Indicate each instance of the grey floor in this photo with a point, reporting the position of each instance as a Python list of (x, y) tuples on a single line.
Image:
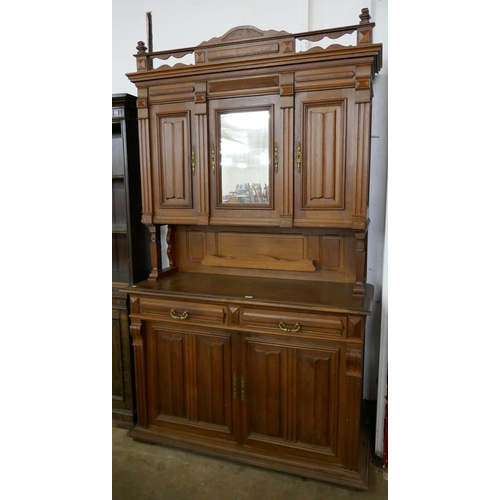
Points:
[(149, 472)]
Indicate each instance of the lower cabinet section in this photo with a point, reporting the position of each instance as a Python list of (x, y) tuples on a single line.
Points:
[(288, 400)]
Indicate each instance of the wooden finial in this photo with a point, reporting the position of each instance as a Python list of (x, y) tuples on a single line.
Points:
[(364, 16), (141, 48)]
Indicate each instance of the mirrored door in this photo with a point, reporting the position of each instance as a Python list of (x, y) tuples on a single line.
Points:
[(245, 174), (244, 156)]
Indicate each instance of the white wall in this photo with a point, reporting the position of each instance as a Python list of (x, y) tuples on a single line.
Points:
[(378, 198), (190, 22)]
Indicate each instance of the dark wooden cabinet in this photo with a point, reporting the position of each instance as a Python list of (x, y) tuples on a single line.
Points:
[(249, 344), (122, 364), (131, 262)]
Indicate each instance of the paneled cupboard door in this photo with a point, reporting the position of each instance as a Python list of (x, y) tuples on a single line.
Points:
[(325, 182), (174, 157), (190, 380), (290, 398)]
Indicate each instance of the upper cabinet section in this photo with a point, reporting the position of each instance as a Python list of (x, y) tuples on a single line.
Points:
[(257, 133)]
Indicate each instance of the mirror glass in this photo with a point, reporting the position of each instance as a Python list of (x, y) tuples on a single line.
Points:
[(245, 157)]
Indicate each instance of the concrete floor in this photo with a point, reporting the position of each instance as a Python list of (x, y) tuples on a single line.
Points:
[(150, 472)]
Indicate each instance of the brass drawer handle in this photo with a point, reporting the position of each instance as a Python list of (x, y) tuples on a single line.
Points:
[(174, 315), (283, 327)]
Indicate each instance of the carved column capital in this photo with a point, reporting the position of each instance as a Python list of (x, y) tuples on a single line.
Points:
[(136, 333)]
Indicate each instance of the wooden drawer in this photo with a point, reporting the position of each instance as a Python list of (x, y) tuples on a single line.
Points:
[(184, 312), (278, 321)]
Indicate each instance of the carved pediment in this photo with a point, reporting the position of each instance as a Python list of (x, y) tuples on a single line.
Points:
[(243, 33)]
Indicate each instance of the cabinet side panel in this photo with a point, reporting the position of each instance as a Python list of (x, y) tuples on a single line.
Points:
[(145, 162), (120, 269), (118, 159), (117, 370), (354, 370), (363, 157)]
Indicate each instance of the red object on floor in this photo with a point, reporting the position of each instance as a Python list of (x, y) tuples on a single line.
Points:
[(386, 451)]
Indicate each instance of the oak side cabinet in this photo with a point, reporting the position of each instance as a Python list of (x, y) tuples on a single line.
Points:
[(130, 249)]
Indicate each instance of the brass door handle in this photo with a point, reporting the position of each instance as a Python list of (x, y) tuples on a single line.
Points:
[(213, 159), (242, 388), (193, 160), (283, 327), (299, 157), (174, 315), (276, 157)]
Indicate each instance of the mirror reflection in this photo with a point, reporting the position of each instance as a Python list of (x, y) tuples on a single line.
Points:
[(245, 157)]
